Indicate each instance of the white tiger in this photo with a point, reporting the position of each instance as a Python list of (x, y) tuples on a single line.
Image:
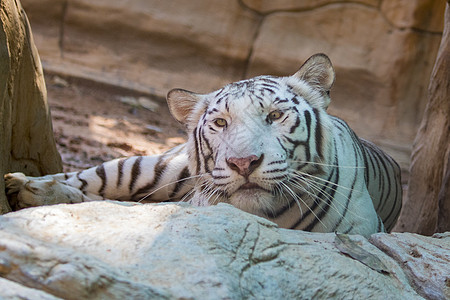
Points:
[(265, 145)]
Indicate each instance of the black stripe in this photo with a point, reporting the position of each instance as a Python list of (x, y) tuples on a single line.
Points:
[(330, 196), (348, 230), (212, 111), (180, 182), (275, 214), (269, 79), (83, 182), (275, 170), (197, 154), (366, 166), (318, 137), (308, 127), (320, 198), (297, 122), (278, 100), (221, 98), (379, 227), (349, 197), (269, 89), (220, 177), (135, 173), (100, 170), (377, 174), (120, 171), (206, 156), (297, 143), (159, 169), (394, 210)]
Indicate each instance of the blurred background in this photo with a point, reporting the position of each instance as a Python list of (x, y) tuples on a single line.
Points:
[(383, 52)]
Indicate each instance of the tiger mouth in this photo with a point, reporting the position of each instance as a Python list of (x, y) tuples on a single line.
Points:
[(252, 186), (249, 186)]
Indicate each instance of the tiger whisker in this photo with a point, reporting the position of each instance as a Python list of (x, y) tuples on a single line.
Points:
[(325, 165), (317, 186), (325, 181), (167, 184), (296, 198), (315, 197)]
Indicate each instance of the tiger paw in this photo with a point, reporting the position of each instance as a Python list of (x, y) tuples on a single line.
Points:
[(23, 191)]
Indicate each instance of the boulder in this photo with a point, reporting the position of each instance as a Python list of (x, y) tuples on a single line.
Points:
[(425, 260), (26, 138), (119, 250)]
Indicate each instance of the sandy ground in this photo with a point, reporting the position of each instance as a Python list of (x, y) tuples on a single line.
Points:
[(94, 123)]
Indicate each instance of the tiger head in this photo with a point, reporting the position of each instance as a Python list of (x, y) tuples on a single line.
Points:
[(250, 141)]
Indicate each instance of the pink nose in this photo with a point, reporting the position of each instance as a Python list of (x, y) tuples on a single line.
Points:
[(244, 165)]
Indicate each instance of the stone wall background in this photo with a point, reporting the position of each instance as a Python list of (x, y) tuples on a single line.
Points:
[(383, 50)]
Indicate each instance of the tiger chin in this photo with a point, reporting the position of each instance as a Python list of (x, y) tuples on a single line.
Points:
[(265, 145)]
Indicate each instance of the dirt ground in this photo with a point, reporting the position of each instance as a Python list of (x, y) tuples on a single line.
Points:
[(94, 123)]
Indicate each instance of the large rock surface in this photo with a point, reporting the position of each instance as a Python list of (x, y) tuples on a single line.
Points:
[(383, 51), (112, 250), (26, 137)]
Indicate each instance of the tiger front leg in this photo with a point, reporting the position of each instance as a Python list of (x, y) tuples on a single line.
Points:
[(23, 191)]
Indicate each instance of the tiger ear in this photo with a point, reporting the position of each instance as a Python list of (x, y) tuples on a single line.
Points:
[(182, 103), (317, 71)]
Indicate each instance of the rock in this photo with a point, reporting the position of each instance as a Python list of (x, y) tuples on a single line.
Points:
[(27, 143), (142, 101), (426, 260), (404, 15), (383, 51), (148, 104), (150, 46), (11, 290), (122, 250), (268, 6)]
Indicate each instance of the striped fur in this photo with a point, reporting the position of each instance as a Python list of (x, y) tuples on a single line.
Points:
[(265, 145)]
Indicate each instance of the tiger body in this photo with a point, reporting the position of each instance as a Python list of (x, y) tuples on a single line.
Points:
[(265, 145)]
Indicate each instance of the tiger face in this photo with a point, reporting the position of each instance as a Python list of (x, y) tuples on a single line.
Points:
[(249, 141)]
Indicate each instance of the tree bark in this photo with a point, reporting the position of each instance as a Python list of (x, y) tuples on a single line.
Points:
[(427, 208), (26, 136)]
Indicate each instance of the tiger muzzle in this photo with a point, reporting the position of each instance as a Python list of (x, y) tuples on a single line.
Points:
[(244, 166)]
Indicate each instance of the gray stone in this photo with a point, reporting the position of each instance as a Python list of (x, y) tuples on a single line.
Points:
[(11, 290), (426, 260), (121, 250)]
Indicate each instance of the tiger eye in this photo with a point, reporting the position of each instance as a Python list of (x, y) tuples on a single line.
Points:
[(275, 115), (219, 122)]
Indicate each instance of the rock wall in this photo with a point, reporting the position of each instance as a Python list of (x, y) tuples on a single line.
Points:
[(112, 250), (26, 137), (383, 50)]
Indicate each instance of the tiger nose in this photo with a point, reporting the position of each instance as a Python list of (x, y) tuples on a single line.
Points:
[(244, 165)]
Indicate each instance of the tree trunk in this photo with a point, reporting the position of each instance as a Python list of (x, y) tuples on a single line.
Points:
[(26, 136), (427, 209)]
